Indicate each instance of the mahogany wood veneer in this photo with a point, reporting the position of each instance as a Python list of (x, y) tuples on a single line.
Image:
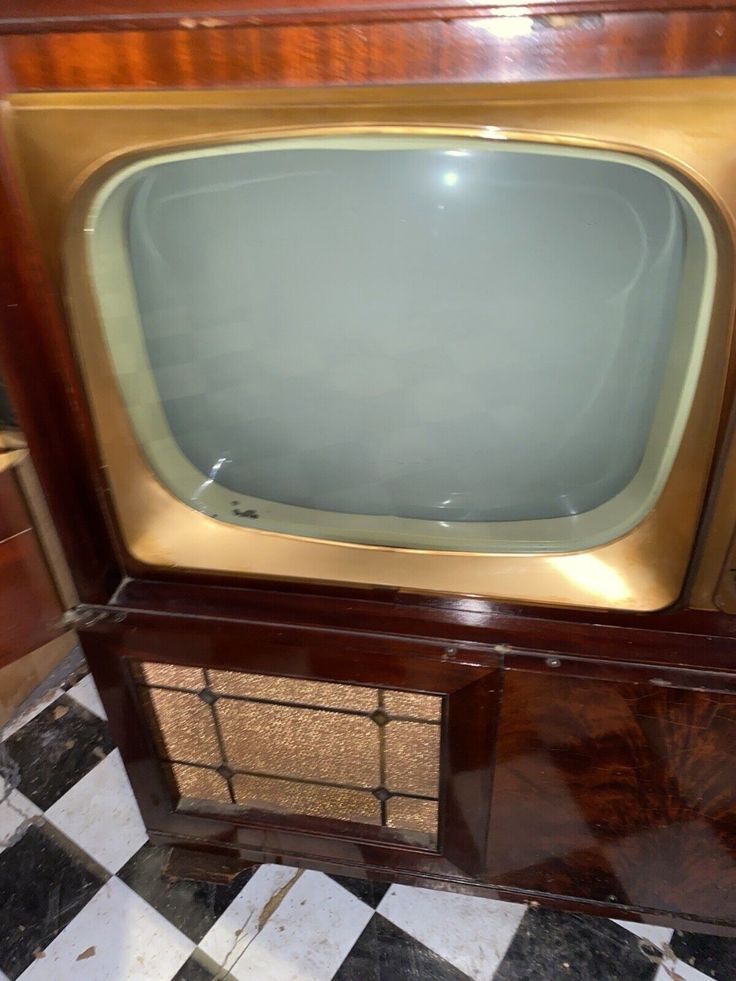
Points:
[(586, 759)]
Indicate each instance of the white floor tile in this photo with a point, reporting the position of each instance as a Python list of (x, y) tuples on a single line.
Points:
[(116, 937), (306, 937), (86, 694), (14, 811), (471, 933), (679, 971), (226, 939), (100, 814), (656, 935), (19, 721)]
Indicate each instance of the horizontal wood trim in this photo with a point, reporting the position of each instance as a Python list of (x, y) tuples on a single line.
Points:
[(390, 52), (689, 638), (40, 16)]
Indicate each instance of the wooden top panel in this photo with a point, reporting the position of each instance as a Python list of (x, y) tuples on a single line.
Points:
[(38, 16)]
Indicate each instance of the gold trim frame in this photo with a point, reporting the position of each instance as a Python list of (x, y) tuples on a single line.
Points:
[(101, 266), (643, 569)]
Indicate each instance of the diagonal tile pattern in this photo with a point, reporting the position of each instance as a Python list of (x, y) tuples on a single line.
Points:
[(83, 897)]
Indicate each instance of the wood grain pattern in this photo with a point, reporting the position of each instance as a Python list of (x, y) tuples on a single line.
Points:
[(37, 16), (608, 792), (617, 792), (462, 49)]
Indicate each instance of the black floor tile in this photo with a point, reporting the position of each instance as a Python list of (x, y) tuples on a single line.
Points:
[(191, 906), (192, 970), (43, 887), (370, 892), (551, 946), (383, 952), (713, 956), (56, 749)]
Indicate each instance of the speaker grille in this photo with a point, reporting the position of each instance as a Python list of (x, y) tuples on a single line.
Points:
[(285, 745)]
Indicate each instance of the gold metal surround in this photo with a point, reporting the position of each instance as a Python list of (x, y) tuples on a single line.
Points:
[(66, 146)]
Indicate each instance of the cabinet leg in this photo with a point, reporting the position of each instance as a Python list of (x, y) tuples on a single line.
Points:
[(202, 866)]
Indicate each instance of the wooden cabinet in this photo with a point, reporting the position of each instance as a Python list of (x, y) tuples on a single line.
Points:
[(567, 757), (618, 791), (525, 775), (304, 744)]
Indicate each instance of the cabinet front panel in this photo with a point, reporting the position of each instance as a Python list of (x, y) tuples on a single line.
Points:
[(617, 792), (304, 742)]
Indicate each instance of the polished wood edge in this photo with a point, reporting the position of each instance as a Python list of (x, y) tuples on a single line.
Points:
[(468, 766), (705, 639), (40, 16), (199, 865), (455, 884), (698, 650), (344, 655)]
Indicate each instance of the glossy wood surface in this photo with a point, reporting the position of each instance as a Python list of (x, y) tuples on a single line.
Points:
[(30, 610), (617, 792), (688, 638), (423, 49), (607, 791), (32, 16)]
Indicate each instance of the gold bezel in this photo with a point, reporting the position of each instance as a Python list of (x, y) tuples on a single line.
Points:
[(641, 570)]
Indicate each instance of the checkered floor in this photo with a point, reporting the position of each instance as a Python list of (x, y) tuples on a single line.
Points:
[(83, 898)]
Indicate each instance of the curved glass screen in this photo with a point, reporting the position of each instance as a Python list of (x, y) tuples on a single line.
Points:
[(414, 341)]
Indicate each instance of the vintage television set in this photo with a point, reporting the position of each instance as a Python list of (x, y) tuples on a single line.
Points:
[(376, 361)]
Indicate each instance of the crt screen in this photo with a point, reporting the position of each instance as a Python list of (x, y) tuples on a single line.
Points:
[(451, 334)]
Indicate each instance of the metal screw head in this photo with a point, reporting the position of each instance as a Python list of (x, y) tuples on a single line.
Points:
[(450, 651), (553, 662)]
